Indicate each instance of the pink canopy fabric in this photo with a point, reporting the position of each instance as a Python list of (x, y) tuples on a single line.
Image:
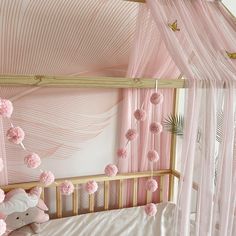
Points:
[(149, 58), (199, 50), (61, 37)]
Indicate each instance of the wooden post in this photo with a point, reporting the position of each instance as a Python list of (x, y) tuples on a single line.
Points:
[(106, 195), (173, 147), (58, 202)]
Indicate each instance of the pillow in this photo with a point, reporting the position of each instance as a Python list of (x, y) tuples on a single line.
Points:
[(20, 209)]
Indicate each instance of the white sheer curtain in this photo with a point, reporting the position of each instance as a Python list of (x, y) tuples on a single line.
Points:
[(199, 50)]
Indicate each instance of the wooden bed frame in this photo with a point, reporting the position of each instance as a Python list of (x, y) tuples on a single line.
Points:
[(120, 180), (103, 82), (107, 181)]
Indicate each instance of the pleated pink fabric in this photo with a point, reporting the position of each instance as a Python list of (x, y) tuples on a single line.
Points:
[(149, 58), (61, 37)]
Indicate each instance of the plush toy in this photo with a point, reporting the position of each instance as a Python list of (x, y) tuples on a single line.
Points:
[(23, 212)]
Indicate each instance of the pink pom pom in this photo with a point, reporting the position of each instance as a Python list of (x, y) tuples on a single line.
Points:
[(6, 108), (151, 185), (122, 153), (151, 209), (67, 188), (155, 128), (3, 227), (32, 160), (111, 170), (91, 187), (15, 135), (140, 115), (153, 156), (2, 195), (46, 178), (131, 134), (1, 164), (156, 98)]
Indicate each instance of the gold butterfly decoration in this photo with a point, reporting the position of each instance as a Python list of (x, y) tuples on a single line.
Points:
[(174, 26), (231, 55)]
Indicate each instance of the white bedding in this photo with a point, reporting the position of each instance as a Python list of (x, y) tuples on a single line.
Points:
[(124, 222)]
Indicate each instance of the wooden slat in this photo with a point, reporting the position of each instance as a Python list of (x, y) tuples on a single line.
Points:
[(75, 198), (106, 195), (42, 194), (120, 192), (173, 147), (135, 192), (161, 188), (58, 202), (91, 202), (148, 197), (85, 179), (87, 82)]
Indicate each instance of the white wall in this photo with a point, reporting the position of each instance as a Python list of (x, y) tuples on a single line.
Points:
[(231, 5)]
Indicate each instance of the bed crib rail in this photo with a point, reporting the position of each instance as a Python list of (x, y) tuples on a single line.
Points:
[(120, 180)]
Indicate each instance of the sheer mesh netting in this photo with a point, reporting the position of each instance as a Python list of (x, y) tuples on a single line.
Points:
[(199, 37), (199, 46)]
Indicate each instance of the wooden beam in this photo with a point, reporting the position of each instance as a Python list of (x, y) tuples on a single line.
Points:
[(87, 82), (173, 146), (85, 179)]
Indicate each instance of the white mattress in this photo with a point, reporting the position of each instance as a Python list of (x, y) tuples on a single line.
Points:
[(124, 222)]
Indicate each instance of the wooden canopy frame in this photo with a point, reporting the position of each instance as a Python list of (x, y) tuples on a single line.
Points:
[(88, 82), (103, 82)]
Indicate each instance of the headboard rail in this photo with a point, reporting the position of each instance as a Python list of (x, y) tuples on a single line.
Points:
[(120, 180)]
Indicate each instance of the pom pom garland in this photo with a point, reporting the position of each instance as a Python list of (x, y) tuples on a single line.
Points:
[(131, 134), (140, 115), (1, 164), (151, 185), (3, 227), (156, 98), (67, 188), (122, 153), (15, 135), (33, 160), (111, 170), (155, 128), (153, 156), (91, 187), (46, 178), (2, 195), (6, 108), (150, 209)]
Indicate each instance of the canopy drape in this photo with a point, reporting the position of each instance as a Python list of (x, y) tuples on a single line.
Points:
[(203, 58), (198, 46), (149, 58)]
